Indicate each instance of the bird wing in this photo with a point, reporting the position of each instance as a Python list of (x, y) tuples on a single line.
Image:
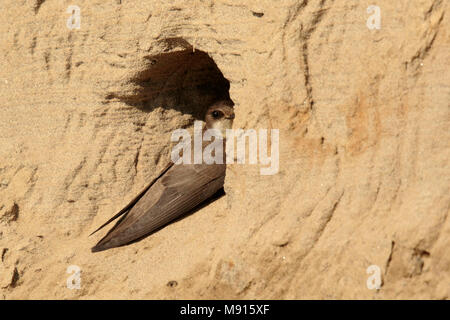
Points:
[(135, 199), (176, 191)]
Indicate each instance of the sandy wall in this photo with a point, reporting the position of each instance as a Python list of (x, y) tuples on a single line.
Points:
[(86, 116)]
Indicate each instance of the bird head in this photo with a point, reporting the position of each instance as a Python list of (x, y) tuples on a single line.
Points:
[(220, 116)]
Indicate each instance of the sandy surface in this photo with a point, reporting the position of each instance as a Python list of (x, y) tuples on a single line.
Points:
[(86, 117)]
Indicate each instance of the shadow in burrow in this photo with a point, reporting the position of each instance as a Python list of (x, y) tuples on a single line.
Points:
[(182, 79)]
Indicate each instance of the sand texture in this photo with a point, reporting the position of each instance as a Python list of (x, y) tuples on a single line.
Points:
[(363, 115)]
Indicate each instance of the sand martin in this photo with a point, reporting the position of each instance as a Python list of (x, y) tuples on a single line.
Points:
[(174, 192)]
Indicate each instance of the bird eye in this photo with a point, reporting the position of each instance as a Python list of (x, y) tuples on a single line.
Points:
[(216, 114)]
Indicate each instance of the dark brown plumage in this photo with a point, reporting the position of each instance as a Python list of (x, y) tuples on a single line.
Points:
[(176, 191)]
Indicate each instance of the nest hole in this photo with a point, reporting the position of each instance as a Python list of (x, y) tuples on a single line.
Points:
[(183, 79)]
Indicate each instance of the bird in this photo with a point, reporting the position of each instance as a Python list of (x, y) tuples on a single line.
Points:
[(178, 189)]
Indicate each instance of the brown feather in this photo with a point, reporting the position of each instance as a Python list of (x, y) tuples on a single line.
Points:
[(176, 191)]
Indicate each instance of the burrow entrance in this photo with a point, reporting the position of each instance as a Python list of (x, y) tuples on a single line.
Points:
[(183, 79)]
